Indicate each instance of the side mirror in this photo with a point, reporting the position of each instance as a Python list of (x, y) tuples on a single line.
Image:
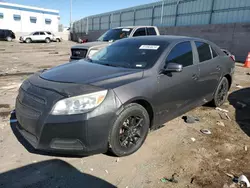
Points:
[(172, 67)]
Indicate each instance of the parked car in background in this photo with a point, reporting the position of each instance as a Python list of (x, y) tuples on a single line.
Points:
[(111, 100), (88, 49), (6, 34), (228, 54), (40, 36)]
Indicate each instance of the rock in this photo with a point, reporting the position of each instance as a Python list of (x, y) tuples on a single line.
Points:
[(193, 139), (190, 119), (220, 123)]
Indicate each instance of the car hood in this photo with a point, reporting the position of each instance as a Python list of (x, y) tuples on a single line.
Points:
[(90, 44), (83, 72)]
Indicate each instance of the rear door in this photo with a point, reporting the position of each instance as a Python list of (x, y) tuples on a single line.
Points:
[(2, 34), (209, 68), (42, 36), (177, 91)]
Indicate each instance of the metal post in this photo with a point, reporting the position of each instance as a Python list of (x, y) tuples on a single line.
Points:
[(162, 8), (70, 22), (120, 19), (211, 12), (111, 21), (152, 18), (134, 17), (100, 19), (87, 28), (176, 13)]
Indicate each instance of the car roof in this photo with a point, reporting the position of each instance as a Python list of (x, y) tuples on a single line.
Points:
[(131, 27), (167, 38)]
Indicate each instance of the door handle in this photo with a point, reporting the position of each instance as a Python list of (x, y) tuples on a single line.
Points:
[(218, 68), (195, 77)]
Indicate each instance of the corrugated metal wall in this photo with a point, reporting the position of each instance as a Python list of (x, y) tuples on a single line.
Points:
[(170, 13)]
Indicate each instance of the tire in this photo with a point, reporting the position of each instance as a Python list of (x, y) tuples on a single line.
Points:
[(47, 40), (28, 40), (9, 39), (129, 131), (58, 40), (221, 93)]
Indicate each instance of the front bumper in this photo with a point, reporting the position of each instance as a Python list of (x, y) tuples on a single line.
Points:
[(81, 134)]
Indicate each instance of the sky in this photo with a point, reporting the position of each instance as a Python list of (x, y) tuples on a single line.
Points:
[(81, 8)]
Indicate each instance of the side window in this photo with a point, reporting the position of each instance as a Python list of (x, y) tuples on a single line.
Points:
[(214, 52), (151, 31), (36, 33), (1, 15), (17, 17), (42, 33), (182, 54), (32, 19), (140, 32), (203, 51), (49, 33)]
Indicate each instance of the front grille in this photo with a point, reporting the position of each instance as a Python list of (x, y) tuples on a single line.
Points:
[(79, 52), (33, 105)]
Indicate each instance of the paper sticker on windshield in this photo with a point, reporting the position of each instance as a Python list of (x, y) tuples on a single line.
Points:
[(149, 47), (126, 30)]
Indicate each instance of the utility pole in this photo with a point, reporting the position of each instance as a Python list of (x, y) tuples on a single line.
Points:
[(70, 22)]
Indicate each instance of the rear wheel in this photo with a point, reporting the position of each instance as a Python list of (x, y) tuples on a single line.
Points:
[(28, 40), (58, 40), (221, 93), (47, 40), (9, 39), (129, 131)]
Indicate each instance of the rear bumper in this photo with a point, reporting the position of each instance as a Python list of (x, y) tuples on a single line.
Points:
[(73, 58)]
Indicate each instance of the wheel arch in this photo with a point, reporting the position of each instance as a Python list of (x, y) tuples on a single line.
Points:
[(229, 79), (145, 104)]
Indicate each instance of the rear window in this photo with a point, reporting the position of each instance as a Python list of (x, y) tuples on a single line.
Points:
[(151, 31), (203, 51), (130, 54), (140, 32), (115, 34)]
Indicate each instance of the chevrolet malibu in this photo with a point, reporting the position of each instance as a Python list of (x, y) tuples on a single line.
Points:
[(111, 101)]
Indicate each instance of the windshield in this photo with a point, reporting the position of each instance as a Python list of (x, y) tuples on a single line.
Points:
[(115, 34), (137, 54)]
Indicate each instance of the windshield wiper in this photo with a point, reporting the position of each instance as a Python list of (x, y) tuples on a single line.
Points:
[(108, 64)]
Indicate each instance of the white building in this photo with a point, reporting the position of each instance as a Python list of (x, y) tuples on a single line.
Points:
[(19, 18)]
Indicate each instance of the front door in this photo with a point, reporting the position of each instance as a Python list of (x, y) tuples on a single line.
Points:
[(210, 71), (35, 36), (177, 91)]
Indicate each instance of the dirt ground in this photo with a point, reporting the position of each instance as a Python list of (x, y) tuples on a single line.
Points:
[(202, 162)]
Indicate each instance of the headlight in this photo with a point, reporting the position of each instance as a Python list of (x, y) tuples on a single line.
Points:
[(92, 52), (78, 104)]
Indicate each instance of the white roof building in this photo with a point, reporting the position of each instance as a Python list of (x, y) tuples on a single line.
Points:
[(20, 18)]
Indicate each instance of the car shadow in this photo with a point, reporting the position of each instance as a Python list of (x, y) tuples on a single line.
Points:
[(50, 173), (240, 100)]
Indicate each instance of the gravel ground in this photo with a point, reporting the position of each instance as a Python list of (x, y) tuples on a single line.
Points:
[(198, 160)]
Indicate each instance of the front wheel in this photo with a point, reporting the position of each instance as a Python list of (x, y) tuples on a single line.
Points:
[(58, 40), (129, 131), (221, 93), (28, 40)]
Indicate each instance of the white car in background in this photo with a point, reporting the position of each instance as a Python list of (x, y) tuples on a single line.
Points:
[(40, 36)]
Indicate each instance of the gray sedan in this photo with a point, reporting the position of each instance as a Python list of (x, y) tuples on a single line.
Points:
[(110, 102)]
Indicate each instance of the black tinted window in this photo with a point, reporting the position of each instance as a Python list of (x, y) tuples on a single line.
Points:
[(182, 54), (151, 31), (49, 33), (140, 32), (42, 33), (36, 33), (203, 51)]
